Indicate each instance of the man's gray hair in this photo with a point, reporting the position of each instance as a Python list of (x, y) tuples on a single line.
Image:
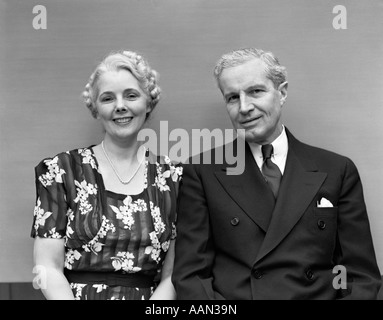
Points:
[(274, 71)]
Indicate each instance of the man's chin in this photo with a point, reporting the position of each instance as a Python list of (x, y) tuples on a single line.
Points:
[(260, 136), (254, 137)]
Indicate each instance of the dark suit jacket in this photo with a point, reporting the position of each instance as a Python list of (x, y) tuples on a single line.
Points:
[(232, 243)]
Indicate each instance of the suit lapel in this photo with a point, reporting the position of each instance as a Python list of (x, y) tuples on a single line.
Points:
[(250, 191), (300, 183)]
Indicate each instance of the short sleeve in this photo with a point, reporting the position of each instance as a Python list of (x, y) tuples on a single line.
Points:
[(50, 213), (164, 178), (176, 176), (176, 170), (174, 231)]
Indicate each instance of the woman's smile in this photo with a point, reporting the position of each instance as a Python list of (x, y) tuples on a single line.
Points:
[(123, 121)]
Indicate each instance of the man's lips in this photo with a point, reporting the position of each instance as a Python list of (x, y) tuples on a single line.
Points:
[(249, 121)]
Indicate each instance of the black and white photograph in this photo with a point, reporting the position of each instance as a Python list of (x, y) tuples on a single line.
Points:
[(191, 150)]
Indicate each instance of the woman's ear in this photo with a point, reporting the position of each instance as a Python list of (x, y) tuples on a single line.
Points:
[(149, 108)]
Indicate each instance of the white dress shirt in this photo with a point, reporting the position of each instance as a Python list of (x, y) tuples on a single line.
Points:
[(280, 146)]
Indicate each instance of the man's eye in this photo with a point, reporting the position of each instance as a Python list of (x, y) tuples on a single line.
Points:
[(232, 99)]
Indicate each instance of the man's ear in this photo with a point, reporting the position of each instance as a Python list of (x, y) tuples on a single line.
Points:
[(283, 90)]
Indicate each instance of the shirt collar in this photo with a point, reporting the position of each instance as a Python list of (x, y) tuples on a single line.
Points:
[(280, 146)]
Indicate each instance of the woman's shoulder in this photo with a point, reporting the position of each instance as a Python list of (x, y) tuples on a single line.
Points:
[(174, 168), (162, 160), (67, 159)]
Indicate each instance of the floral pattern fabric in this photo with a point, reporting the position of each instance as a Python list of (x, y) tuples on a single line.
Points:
[(103, 230)]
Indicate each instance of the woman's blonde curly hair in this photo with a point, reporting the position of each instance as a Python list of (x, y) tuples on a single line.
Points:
[(124, 60)]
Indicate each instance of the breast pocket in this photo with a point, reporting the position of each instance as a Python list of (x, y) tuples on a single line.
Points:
[(329, 211), (324, 226)]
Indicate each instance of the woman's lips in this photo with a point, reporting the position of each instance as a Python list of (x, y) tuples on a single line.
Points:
[(123, 121)]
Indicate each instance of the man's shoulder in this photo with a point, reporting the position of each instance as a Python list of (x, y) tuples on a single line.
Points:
[(320, 155), (216, 156), (322, 151)]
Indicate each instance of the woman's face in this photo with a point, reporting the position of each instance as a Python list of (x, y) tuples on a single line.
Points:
[(121, 104)]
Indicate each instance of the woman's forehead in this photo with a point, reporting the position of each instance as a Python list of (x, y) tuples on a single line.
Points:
[(112, 80)]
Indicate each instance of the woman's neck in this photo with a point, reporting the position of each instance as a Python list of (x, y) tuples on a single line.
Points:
[(123, 150)]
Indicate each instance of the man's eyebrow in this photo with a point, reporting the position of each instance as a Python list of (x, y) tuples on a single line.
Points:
[(229, 94), (256, 85), (250, 87)]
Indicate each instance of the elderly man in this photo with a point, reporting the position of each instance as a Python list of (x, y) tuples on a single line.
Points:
[(293, 225)]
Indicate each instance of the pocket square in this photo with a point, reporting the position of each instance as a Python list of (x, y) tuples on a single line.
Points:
[(324, 203)]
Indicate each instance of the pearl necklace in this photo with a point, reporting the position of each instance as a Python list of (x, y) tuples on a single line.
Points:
[(114, 169)]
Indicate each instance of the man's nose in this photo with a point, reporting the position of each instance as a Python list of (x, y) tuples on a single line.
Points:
[(245, 104)]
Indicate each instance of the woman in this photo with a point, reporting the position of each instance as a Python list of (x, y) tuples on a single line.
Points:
[(104, 221)]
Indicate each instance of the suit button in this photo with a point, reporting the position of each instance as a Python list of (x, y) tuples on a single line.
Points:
[(309, 274), (321, 224), (257, 274), (234, 221)]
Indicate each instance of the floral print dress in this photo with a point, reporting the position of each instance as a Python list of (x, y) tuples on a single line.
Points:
[(105, 231)]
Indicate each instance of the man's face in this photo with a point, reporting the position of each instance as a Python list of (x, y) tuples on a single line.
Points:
[(253, 103)]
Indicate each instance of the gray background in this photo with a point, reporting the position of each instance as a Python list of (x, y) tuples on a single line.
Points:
[(335, 84)]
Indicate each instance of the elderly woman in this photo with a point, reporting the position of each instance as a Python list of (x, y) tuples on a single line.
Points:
[(104, 220)]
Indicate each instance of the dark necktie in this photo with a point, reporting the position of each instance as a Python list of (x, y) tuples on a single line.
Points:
[(270, 170)]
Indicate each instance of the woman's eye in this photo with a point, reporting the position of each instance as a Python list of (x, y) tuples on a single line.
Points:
[(131, 95), (106, 99)]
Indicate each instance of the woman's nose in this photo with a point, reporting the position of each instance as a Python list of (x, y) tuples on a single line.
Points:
[(120, 106)]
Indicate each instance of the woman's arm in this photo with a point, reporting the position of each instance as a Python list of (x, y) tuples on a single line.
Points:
[(165, 290), (49, 255)]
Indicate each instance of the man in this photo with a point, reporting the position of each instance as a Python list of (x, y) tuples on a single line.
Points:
[(293, 225)]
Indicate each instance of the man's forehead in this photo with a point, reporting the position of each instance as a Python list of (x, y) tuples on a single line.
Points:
[(254, 67), (250, 73)]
